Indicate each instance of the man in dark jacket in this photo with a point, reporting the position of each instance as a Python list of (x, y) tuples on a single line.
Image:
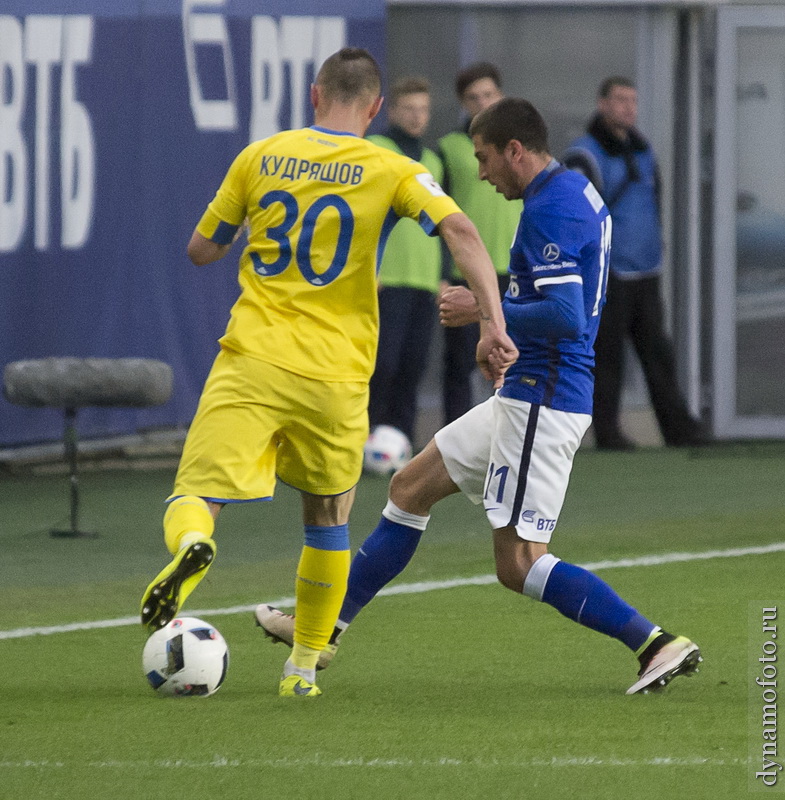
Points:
[(622, 165)]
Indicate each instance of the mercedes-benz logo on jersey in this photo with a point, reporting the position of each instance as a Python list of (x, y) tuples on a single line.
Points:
[(551, 252)]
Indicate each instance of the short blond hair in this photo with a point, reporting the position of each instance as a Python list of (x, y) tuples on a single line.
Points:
[(350, 74)]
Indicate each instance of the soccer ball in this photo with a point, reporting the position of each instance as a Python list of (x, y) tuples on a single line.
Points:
[(187, 657), (386, 450)]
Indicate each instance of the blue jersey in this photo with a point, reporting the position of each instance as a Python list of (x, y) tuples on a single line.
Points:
[(558, 275)]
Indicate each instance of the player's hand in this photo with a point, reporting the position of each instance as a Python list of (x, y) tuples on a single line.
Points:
[(457, 307), (496, 353)]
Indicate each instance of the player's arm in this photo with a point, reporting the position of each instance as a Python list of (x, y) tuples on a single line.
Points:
[(203, 251), (472, 259), (225, 219), (558, 314)]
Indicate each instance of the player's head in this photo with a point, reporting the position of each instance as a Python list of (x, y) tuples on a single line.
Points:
[(350, 77), (410, 105), (511, 145), (617, 102), (478, 86)]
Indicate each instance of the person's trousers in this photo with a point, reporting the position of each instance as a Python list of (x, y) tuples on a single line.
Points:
[(634, 309), (406, 321)]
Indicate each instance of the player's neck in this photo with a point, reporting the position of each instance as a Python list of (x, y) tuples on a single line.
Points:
[(347, 119)]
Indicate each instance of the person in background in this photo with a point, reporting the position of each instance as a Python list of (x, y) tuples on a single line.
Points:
[(409, 274), (477, 86), (620, 162)]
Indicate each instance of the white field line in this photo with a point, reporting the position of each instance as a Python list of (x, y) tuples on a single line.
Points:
[(410, 588), (317, 760)]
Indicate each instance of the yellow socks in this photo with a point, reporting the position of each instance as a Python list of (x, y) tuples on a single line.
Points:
[(187, 520), (320, 587)]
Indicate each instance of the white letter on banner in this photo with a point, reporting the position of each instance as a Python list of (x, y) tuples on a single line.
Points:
[(13, 152), (297, 47), (300, 41), (201, 28), (265, 78), (330, 37), (77, 144), (43, 44)]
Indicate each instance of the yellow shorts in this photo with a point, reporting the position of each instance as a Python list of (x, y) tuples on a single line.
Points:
[(256, 421)]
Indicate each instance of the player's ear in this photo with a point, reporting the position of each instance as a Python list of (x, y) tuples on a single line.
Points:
[(314, 95), (515, 150), (376, 107)]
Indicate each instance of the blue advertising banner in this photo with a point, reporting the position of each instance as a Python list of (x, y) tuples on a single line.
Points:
[(118, 120)]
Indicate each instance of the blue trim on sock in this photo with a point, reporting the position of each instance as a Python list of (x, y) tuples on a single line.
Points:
[(382, 556), (588, 600), (327, 537)]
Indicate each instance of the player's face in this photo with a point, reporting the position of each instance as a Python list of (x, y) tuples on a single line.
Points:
[(495, 167), (411, 113), (480, 95), (620, 107)]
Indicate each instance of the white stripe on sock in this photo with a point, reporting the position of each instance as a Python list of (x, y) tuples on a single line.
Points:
[(395, 514), (534, 585)]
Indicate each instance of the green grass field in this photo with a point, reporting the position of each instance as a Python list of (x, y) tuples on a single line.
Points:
[(464, 692)]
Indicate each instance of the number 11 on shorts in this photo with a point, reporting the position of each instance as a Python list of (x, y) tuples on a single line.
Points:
[(493, 475)]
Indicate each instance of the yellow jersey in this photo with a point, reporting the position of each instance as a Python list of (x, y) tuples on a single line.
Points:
[(319, 205)]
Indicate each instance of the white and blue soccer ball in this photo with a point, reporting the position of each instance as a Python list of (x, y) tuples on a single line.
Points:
[(387, 449), (187, 657)]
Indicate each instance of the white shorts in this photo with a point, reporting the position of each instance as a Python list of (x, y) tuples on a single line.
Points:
[(516, 459)]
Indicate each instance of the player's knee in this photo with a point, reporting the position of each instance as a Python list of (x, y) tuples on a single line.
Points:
[(510, 576), (402, 488)]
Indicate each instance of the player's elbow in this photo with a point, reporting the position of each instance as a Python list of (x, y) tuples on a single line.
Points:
[(457, 226), (198, 259), (203, 251)]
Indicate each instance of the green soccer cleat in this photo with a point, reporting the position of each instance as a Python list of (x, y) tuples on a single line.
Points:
[(280, 628), (674, 657), (164, 597), (297, 686)]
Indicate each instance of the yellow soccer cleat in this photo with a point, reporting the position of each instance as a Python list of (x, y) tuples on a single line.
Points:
[(297, 686), (167, 593)]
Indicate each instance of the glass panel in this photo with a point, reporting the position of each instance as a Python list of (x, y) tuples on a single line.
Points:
[(760, 228)]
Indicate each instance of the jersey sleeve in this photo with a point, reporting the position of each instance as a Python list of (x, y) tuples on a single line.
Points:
[(227, 210), (420, 197)]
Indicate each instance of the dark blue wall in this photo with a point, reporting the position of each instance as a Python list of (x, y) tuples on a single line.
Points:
[(111, 145)]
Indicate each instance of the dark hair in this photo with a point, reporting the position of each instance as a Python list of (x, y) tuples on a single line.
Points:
[(508, 119), (609, 84), (414, 84), (474, 72), (350, 74)]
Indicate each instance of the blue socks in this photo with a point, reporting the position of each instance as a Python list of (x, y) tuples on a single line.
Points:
[(586, 599), (382, 557), (573, 591)]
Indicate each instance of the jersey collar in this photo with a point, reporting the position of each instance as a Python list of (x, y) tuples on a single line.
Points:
[(334, 133), (541, 178)]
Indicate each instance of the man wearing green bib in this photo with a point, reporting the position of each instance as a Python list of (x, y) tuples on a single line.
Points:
[(409, 275), (477, 86)]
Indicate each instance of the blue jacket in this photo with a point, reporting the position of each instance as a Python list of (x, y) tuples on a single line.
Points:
[(626, 175)]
